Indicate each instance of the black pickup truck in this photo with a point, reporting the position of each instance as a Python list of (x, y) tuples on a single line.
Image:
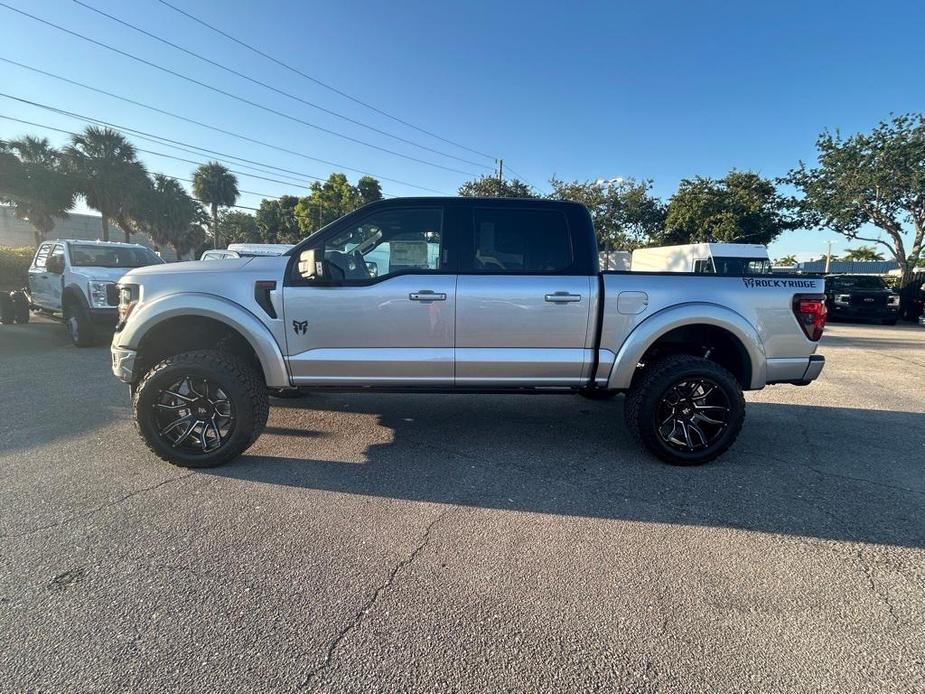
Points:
[(861, 297)]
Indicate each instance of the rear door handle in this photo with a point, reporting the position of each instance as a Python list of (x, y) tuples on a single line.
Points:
[(563, 298), (427, 295)]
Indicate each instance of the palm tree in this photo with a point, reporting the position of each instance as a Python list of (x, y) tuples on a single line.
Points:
[(108, 172), (863, 253), (215, 186), (34, 184), (786, 261)]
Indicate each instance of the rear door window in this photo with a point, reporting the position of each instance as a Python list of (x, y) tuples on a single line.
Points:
[(520, 241)]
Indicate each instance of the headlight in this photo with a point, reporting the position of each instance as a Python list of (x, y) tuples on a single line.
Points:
[(128, 299), (843, 299), (98, 297), (892, 300)]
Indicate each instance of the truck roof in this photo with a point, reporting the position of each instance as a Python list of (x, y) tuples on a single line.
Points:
[(84, 242)]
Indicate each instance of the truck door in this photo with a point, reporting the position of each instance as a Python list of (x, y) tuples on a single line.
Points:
[(39, 277), (382, 312), (523, 306)]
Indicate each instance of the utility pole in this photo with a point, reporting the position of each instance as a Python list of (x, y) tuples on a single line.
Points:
[(828, 257), (500, 177)]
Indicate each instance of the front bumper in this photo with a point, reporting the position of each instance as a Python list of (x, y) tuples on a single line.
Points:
[(104, 317), (123, 363), (863, 312)]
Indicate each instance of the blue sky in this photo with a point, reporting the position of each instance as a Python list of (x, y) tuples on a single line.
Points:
[(661, 90)]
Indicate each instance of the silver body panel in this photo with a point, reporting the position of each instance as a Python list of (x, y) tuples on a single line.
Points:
[(470, 331), (375, 333), (516, 330)]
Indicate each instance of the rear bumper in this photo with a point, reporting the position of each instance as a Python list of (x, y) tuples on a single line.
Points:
[(800, 372)]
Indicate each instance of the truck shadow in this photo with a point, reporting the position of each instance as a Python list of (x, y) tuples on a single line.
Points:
[(822, 472)]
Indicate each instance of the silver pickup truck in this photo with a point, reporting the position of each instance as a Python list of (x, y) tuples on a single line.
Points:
[(455, 295)]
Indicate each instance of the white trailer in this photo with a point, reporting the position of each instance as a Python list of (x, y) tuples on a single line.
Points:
[(704, 258)]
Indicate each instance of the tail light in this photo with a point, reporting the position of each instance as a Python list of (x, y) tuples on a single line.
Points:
[(810, 313)]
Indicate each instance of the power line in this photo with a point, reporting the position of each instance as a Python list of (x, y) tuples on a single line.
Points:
[(230, 95), (319, 82), (157, 154), (201, 124), (272, 88)]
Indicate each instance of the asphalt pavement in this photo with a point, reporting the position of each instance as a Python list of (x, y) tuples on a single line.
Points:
[(465, 543)]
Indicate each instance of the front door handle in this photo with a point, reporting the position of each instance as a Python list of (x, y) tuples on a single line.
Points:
[(427, 295), (563, 298)]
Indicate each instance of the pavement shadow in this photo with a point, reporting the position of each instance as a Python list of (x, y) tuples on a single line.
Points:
[(822, 472)]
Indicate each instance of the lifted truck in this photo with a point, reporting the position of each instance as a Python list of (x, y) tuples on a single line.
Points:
[(455, 294)]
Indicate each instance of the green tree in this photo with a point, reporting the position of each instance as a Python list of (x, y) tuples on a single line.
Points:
[(277, 222), (107, 171), (235, 226), (491, 187), (333, 199), (875, 178), (33, 183), (786, 261), (369, 190), (216, 187), (625, 213), (862, 253), (741, 207)]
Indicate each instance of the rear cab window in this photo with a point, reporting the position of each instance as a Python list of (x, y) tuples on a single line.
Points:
[(519, 241), (41, 257)]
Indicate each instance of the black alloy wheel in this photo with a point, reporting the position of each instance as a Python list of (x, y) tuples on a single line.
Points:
[(194, 414), (692, 414)]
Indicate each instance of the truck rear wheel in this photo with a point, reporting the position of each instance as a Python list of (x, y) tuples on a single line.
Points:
[(685, 410), (200, 409)]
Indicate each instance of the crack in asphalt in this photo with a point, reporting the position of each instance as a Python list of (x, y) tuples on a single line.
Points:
[(94, 511), (373, 599), (868, 572)]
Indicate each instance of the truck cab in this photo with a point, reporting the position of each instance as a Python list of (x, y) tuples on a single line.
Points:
[(77, 280)]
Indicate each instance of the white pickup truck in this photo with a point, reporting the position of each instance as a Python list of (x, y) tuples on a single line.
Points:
[(455, 295), (77, 279)]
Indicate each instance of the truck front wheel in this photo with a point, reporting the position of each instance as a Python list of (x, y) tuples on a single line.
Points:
[(685, 410), (200, 409), (78, 325)]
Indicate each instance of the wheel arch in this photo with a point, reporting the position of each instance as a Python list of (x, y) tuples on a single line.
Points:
[(687, 329), (184, 322)]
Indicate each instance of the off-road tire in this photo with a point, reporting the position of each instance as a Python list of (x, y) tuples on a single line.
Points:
[(655, 381), (78, 325), (7, 314), (244, 386), (20, 306)]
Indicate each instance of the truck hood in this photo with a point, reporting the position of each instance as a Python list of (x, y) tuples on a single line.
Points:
[(189, 267), (101, 274)]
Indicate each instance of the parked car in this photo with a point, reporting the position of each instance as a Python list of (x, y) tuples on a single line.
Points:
[(246, 250), (77, 279), (912, 297), (704, 258), (486, 295), (861, 297)]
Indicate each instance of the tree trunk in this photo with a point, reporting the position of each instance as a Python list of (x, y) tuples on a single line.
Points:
[(128, 236), (104, 221), (215, 224), (39, 236)]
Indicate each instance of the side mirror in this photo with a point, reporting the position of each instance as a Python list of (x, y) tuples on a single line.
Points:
[(55, 265), (373, 268), (311, 265)]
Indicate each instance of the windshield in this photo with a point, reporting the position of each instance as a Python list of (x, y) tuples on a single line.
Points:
[(742, 266), (113, 256), (862, 282)]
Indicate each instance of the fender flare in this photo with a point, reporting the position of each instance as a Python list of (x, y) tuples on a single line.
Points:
[(186, 304), (659, 324)]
